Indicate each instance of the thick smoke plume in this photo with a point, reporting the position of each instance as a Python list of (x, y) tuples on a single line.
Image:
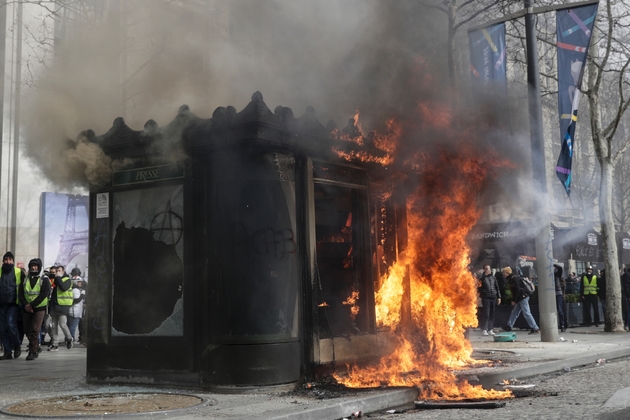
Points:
[(337, 56)]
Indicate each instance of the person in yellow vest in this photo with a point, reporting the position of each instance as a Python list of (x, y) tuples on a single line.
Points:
[(10, 279), (588, 292), (33, 294), (60, 304)]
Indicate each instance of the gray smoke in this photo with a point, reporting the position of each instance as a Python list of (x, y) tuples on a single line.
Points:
[(336, 56)]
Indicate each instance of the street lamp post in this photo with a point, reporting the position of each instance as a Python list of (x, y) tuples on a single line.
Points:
[(544, 251)]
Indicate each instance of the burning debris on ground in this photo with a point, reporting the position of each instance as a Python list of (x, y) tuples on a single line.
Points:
[(325, 389)]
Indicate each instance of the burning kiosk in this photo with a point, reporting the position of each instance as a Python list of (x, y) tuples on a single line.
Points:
[(247, 262)]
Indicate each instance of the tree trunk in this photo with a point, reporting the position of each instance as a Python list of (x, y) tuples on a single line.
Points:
[(450, 52), (614, 319), (603, 149)]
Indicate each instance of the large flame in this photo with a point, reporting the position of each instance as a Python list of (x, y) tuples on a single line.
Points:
[(441, 209)]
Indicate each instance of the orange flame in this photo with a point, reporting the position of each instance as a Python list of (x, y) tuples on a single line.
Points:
[(352, 301), (385, 144), (440, 213), (323, 304)]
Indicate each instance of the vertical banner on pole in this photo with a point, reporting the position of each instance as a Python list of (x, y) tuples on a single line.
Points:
[(574, 28), (487, 60)]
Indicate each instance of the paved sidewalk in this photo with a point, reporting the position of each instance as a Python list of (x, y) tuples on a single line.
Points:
[(62, 373), (528, 356)]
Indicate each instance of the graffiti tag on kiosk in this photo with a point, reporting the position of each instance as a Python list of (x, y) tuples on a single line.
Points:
[(524, 262)]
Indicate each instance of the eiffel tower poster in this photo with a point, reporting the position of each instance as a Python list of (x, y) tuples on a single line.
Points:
[(64, 230)]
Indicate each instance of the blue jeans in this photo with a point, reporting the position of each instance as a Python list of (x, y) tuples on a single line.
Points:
[(72, 325), (560, 308), (487, 312), (9, 328), (523, 305)]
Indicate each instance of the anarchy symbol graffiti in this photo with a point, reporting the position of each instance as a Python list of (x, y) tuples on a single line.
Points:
[(168, 225)]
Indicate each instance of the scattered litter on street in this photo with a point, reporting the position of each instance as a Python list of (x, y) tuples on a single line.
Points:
[(523, 386), (458, 404)]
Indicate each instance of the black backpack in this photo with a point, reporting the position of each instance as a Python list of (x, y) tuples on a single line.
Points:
[(528, 286)]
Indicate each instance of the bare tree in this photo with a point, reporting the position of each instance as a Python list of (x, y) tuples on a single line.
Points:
[(608, 99), (463, 14), (607, 92), (621, 193)]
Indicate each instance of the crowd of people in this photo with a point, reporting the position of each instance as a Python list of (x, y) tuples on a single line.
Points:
[(504, 285), (38, 302)]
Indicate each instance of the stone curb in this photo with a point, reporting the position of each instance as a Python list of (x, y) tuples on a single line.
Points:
[(489, 380), (371, 404)]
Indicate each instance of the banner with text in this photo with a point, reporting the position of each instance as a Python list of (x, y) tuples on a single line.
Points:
[(487, 61)]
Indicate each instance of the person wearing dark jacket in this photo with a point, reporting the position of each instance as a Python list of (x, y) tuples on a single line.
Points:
[(601, 292), (490, 297), (520, 302), (560, 286), (10, 279), (625, 292), (33, 294), (588, 292), (60, 304)]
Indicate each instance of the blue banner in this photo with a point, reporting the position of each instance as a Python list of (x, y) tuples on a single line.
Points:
[(487, 60), (574, 28)]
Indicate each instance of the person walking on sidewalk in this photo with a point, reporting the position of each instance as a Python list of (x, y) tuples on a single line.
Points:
[(560, 285), (588, 292), (490, 297), (81, 283), (60, 303), (34, 292), (10, 280), (76, 310), (520, 302)]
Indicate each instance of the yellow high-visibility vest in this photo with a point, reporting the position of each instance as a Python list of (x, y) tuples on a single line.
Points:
[(18, 281), (64, 297), (590, 288), (31, 293)]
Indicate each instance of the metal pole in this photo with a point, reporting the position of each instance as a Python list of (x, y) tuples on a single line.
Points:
[(16, 127), (3, 34), (544, 251)]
